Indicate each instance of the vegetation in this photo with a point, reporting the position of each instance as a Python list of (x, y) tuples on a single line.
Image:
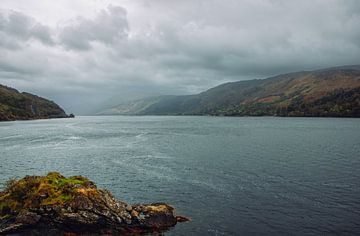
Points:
[(24, 106), (331, 92), (339, 103), (54, 204), (36, 191)]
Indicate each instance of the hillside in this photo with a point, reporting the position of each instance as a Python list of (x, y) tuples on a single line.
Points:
[(332, 92), (25, 106)]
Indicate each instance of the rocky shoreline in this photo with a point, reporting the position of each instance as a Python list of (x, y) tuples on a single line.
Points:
[(55, 205)]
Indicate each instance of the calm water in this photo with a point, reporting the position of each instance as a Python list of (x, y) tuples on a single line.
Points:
[(232, 176)]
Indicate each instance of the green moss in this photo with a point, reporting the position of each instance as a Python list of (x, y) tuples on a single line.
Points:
[(37, 191), (3, 206), (65, 198), (5, 217)]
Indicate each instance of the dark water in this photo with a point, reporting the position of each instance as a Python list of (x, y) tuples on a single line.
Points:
[(232, 176)]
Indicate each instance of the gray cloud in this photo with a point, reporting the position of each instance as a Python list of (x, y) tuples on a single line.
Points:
[(158, 47), (17, 28), (109, 26), (43, 34)]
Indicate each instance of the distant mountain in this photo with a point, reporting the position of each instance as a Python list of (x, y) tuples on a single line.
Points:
[(331, 92), (25, 106)]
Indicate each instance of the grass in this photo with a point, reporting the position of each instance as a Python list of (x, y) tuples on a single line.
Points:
[(36, 191)]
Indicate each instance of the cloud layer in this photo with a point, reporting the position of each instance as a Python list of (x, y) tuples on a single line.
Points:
[(95, 52)]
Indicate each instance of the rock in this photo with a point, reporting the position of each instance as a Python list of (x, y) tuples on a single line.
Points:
[(76, 206), (27, 218), (182, 219), (10, 228), (128, 208), (134, 214), (142, 216)]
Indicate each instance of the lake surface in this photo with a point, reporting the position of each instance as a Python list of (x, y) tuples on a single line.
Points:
[(232, 176)]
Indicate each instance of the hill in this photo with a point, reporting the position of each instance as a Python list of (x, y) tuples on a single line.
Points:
[(25, 106), (331, 92)]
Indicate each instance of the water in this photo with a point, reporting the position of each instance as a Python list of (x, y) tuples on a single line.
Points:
[(232, 176)]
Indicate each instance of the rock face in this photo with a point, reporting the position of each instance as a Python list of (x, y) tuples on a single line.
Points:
[(54, 205)]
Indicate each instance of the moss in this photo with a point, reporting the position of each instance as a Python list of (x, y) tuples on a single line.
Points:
[(37, 191), (4, 207), (5, 217)]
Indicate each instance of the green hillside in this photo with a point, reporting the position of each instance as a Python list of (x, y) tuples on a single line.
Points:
[(25, 106), (330, 92)]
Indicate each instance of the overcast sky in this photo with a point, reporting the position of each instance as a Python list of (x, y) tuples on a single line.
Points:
[(82, 53)]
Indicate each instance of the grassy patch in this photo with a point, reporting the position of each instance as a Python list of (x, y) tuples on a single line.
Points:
[(36, 191)]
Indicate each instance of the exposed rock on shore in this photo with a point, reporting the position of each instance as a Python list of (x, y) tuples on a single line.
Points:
[(55, 204)]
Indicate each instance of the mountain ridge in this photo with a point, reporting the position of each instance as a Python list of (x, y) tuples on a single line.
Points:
[(325, 92), (15, 105)]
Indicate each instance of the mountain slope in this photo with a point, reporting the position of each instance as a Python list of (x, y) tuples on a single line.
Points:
[(326, 92), (25, 106)]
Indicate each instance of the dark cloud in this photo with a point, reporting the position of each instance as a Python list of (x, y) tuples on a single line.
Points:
[(158, 47)]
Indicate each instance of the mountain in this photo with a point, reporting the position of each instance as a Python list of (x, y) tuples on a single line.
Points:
[(25, 106), (331, 92)]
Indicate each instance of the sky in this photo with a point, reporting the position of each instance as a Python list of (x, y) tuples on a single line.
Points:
[(87, 54)]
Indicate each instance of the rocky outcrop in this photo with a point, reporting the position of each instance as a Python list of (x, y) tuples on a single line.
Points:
[(54, 204)]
